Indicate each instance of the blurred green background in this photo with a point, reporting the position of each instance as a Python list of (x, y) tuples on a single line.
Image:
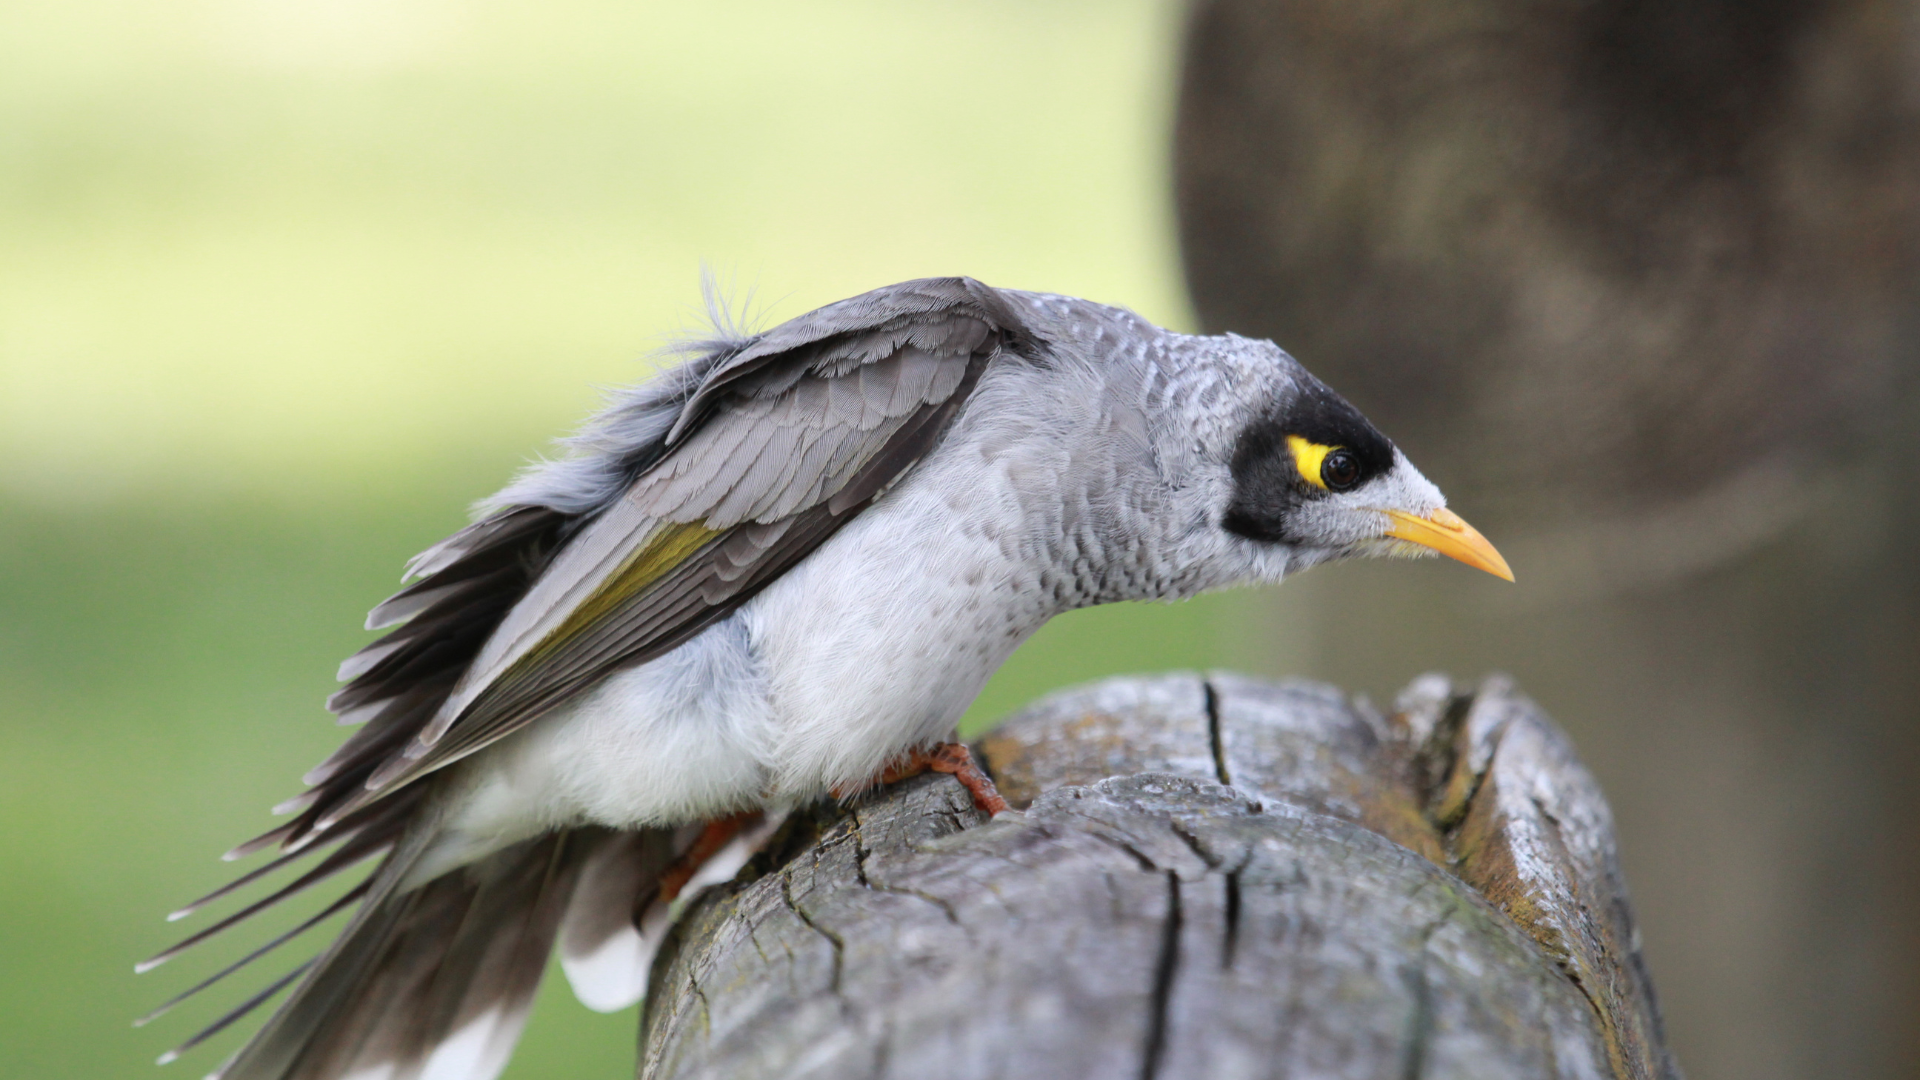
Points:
[(286, 284)]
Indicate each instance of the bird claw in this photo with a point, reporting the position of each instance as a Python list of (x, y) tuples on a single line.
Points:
[(953, 759), (717, 834)]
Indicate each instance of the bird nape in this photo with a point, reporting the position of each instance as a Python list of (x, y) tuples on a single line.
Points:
[(778, 571)]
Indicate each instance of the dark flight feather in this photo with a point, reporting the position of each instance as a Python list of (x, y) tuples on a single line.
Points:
[(417, 967), (340, 902)]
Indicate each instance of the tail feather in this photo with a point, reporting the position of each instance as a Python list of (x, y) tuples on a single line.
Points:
[(617, 919), (234, 1014), (346, 898), (435, 981), (237, 884), (431, 982), (377, 1029), (475, 994), (373, 893), (355, 851), (603, 951)]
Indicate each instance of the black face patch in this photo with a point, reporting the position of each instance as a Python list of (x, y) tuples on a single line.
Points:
[(1267, 484)]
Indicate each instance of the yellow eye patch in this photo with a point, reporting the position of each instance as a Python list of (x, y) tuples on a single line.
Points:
[(1308, 457)]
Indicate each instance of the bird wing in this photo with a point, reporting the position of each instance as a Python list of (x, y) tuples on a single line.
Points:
[(776, 444), (775, 449)]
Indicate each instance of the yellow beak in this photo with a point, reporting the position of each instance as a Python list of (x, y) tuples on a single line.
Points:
[(1446, 533)]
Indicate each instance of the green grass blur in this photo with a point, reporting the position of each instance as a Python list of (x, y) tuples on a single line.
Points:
[(285, 284)]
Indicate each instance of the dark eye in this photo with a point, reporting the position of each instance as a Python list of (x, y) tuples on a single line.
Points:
[(1340, 470)]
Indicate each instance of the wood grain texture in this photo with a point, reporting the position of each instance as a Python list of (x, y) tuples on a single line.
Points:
[(1431, 893)]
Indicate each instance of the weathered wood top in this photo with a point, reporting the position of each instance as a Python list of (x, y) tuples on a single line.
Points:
[(1212, 877)]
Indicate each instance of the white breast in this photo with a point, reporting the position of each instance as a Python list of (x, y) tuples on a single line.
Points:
[(881, 642)]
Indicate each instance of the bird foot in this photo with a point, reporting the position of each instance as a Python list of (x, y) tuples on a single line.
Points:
[(717, 835), (951, 758)]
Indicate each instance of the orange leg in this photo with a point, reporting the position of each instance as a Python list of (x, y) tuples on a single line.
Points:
[(956, 761), (715, 836)]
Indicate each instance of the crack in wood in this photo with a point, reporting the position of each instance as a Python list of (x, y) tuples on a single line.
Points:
[(706, 1008), (1212, 698), (860, 856), (1166, 966), (1141, 857), (1230, 914), (859, 851), (1194, 844), (1420, 1022), (833, 939)]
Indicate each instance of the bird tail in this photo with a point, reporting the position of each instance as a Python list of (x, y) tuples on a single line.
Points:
[(434, 981), (430, 982), (629, 889)]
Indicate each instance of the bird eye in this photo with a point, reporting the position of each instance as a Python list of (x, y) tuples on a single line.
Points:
[(1340, 470)]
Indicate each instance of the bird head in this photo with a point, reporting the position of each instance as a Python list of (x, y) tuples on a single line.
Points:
[(1309, 472)]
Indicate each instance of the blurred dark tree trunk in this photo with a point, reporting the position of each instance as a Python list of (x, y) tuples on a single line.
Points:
[(1638, 284)]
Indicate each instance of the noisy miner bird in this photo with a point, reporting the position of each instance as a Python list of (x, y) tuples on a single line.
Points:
[(776, 572)]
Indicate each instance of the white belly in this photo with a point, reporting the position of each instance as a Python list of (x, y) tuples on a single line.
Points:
[(881, 643), (864, 650), (681, 738)]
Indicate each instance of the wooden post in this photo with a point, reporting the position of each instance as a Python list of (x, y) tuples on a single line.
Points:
[(1209, 878)]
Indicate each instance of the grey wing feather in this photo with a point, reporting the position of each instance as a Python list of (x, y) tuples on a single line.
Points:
[(765, 437), (698, 492), (834, 418)]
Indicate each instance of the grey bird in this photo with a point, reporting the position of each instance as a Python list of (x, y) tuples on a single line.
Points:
[(774, 573)]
